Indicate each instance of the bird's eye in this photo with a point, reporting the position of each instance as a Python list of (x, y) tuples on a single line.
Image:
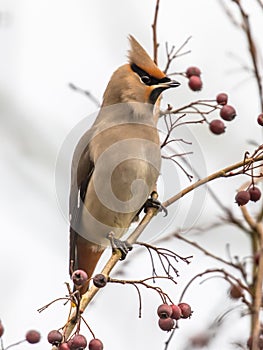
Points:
[(145, 79)]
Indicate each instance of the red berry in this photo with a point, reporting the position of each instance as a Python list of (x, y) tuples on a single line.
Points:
[(64, 346), (100, 280), (186, 310), (177, 313), (54, 337), (33, 337), (195, 83), (166, 324), (255, 194), (193, 71), (164, 311), (235, 291), (79, 277), (217, 127), (242, 197), (227, 113), (1, 329), (78, 342), (260, 119), (95, 344), (222, 98)]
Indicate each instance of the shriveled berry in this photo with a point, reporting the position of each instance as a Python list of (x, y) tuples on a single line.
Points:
[(1, 329), (79, 277), (242, 197), (166, 324), (260, 119), (164, 311), (100, 280), (186, 310), (54, 337), (217, 127), (64, 346), (33, 336), (78, 342), (235, 291), (95, 344), (177, 313), (222, 98), (193, 71), (255, 194), (228, 113), (195, 83)]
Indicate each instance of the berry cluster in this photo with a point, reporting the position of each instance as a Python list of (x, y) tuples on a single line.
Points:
[(227, 113), (77, 342), (252, 194), (169, 313), (193, 74)]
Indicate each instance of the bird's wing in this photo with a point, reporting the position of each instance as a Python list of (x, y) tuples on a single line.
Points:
[(81, 172)]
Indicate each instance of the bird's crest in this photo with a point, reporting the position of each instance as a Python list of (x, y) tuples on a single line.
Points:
[(137, 55)]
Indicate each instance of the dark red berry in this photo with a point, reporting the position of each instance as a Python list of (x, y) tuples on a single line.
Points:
[(166, 324), (33, 337), (95, 344), (54, 337), (260, 119), (228, 113), (164, 311), (255, 194), (222, 98), (242, 197), (78, 342), (64, 346), (186, 310), (100, 280), (177, 313), (195, 83), (193, 71), (217, 127), (79, 277), (235, 291), (1, 329)]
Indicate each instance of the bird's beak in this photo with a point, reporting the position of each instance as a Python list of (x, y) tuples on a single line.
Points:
[(169, 84)]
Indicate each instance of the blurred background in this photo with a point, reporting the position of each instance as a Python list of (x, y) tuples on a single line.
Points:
[(45, 45)]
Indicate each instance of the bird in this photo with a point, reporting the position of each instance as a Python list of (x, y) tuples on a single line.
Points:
[(116, 163)]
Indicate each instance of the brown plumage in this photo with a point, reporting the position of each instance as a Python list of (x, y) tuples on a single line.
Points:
[(117, 161)]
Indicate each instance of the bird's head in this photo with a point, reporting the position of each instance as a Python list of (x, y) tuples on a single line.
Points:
[(138, 81)]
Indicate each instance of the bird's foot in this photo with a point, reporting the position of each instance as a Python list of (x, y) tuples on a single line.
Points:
[(117, 244), (154, 203)]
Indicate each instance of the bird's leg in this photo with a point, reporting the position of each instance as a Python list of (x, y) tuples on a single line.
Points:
[(123, 246), (152, 202)]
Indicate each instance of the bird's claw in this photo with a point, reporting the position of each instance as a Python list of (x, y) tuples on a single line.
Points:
[(123, 246), (154, 203)]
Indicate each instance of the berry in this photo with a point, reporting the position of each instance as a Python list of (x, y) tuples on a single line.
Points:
[(255, 194), (222, 98), (235, 291), (54, 337), (177, 313), (1, 329), (260, 119), (64, 346), (193, 71), (195, 83), (217, 127), (260, 343), (242, 197), (79, 277), (228, 113), (78, 342), (100, 280), (166, 324), (33, 337), (95, 344), (164, 311), (186, 310)]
